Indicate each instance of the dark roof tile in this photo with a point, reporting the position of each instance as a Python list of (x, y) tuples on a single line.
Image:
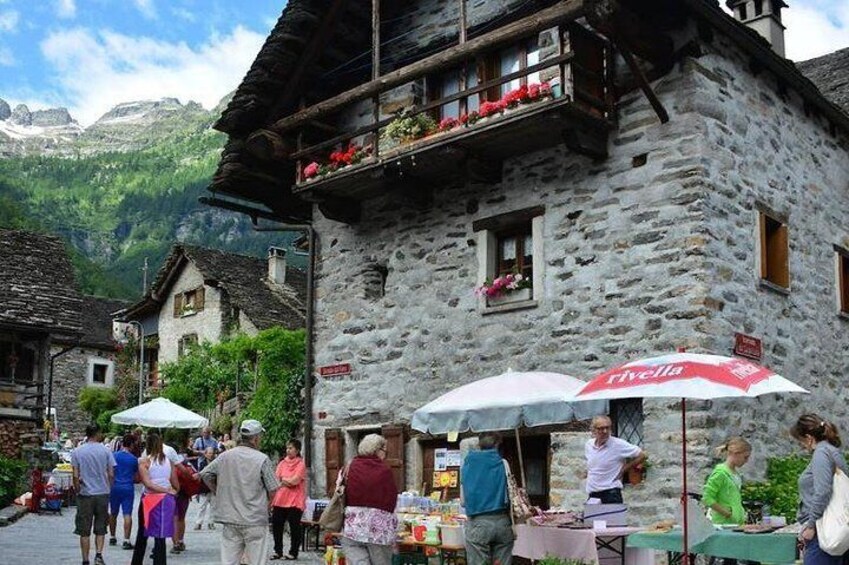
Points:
[(830, 73)]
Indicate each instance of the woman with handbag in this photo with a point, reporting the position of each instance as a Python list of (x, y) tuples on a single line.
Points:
[(368, 535), (821, 439)]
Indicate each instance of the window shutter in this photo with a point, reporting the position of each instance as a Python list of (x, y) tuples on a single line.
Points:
[(334, 455), (200, 298), (178, 305), (394, 436)]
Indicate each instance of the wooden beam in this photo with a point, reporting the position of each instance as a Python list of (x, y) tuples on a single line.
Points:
[(462, 21), (644, 83), (544, 19), (375, 39), (615, 21), (268, 146)]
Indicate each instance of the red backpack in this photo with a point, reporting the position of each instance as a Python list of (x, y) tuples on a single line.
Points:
[(190, 483)]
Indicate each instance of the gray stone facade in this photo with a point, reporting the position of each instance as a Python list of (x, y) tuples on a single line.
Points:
[(72, 372), (651, 249)]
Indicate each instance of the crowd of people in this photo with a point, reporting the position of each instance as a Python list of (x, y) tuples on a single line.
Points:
[(242, 485)]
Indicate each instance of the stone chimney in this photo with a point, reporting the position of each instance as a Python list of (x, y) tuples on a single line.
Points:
[(277, 265), (763, 16)]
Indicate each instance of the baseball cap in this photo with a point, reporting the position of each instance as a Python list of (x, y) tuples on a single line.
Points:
[(251, 428)]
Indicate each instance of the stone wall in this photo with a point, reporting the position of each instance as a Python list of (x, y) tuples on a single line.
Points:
[(207, 323), (18, 439), (70, 377), (651, 249)]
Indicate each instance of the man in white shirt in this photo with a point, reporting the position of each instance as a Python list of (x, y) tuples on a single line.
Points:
[(608, 459)]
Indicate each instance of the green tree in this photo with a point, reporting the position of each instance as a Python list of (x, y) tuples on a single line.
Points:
[(96, 400)]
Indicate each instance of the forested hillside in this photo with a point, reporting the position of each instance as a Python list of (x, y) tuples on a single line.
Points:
[(116, 208)]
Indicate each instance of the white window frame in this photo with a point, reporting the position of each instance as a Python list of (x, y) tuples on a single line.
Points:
[(487, 246), (110, 372)]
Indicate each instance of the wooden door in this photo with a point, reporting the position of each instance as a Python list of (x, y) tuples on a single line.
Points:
[(536, 453), (428, 449), (334, 456), (394, 436)]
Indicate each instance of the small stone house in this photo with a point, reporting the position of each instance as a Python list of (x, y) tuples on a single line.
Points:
[(658, 171), (40, 304), (85, 361), (204, 294)]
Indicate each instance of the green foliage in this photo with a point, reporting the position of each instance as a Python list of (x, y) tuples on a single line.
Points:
[(223, 425), (409, 127), (780, 490), (12, 479), (104, 420), (273, 359), (96, 400)]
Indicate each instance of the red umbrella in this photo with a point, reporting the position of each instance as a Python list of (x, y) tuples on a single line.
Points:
[(686, 375)]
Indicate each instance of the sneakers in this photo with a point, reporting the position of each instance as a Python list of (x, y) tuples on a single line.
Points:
[(178, 548), (98, 560), (127, 545), (113, 541)]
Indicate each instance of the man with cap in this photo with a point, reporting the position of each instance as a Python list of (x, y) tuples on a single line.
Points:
[(243, 481)]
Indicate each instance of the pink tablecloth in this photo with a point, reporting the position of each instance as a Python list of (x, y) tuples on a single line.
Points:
[(535, 542)]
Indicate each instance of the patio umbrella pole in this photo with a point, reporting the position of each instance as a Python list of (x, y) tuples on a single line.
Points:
[(521, 460), (686, 560)]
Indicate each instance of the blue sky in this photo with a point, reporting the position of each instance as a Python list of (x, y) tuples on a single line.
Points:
[(89, 55)]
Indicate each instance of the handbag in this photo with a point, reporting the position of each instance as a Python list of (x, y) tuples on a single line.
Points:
[(333, 517), (833, 527), (520, 505)]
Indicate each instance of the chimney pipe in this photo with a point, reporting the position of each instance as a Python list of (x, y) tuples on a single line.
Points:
[(277, 265), (762, 16)]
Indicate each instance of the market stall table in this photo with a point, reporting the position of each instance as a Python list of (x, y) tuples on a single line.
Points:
[(605, 546), (774, 548)]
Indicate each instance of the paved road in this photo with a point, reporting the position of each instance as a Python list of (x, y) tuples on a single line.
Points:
[(48, 539)]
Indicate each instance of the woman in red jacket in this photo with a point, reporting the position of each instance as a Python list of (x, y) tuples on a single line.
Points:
[(370, 497)]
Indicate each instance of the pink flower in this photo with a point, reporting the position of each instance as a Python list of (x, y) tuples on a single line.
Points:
[(311, 170)]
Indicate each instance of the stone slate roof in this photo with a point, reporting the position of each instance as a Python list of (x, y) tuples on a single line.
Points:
[(97, 320), (37, 285), (831, 75), (243, 278)]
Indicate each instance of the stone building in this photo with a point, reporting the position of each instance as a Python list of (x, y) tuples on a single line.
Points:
[(683, 182), (40, 304), (204, 294), (85, 361)]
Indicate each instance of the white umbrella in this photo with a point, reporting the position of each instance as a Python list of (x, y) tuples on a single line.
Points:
[(508, 401), (160, 413)]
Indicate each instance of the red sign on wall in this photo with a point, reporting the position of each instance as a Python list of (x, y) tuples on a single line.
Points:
[(748, 346), (335, 370)]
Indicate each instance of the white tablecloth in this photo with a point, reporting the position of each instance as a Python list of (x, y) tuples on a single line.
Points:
[(535, 542)]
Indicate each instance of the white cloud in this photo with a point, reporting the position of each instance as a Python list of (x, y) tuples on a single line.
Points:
[(147, 8), (7, 59), (96, 71), (9, 21), (66, 9), (814, 29)]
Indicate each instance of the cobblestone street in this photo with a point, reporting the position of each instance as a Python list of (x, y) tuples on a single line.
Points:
[(48, 539)]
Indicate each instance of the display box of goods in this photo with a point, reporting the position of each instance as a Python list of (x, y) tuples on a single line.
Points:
[(612, 514)]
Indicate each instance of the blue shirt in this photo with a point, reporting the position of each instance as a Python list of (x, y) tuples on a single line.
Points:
[(484, 482), (202, 444), (126, 466), (93, 460)]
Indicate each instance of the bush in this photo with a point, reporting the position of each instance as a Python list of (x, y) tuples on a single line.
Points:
[(780, 490), (96, 400), (408, 127), (223, 425), (12, 479)]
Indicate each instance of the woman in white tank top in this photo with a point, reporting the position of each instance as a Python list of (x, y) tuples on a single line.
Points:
[(158, 503)]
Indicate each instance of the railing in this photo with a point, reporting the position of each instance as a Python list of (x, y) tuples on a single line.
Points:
[(579, 68)]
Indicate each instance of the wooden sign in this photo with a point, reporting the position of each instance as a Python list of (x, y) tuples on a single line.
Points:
[(748, 346), (335, 370)]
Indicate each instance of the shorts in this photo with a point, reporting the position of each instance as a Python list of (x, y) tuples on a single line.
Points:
[(123, 499), (182, 505), (92, 512)]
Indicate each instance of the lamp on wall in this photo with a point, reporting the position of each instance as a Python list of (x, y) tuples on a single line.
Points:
[(141, 358)]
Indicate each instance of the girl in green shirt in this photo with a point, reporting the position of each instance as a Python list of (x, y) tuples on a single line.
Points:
[(722, 489)]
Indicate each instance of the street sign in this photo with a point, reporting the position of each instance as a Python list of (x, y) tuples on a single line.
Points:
[(335, 370), (748, 346)]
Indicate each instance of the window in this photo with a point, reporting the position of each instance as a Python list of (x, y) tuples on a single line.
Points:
[(189, 302), (774, 269), (759, 7), (627, 416), (511, 243), (743, 13), (98, 373), (17, 362), (843, 280), (185, 344)]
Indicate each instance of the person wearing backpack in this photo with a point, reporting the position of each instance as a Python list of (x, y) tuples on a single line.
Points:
[(820, 438)]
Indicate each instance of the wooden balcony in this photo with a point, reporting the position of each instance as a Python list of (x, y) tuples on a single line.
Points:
[(579, 114)]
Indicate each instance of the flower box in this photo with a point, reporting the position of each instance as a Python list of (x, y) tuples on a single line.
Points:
[(519, 295)]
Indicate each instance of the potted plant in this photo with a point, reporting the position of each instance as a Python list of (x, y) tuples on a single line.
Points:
[(637, 473), (407, 127)]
